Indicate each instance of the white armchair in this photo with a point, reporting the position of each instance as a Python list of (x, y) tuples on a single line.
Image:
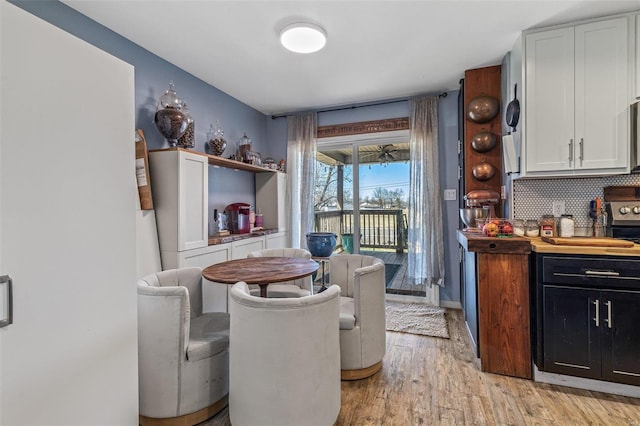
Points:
[(285, 359), (183, 353), (298, 288), (362, 313)]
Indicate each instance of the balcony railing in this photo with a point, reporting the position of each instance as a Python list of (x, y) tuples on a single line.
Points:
[(379, 228)]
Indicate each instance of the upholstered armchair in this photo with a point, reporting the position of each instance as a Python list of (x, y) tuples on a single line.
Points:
[(285, 359), (298, 288), (183, 353), (362, 313)]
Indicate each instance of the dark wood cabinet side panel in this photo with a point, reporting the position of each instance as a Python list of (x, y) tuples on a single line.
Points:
[(503, 302)]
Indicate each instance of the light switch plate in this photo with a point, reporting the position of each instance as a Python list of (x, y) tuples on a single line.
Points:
[(450, 195)]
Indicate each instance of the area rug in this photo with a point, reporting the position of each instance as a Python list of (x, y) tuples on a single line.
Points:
[(390, 271), (417, 318)]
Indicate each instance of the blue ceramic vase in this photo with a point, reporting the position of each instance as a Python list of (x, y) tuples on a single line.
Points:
[(321, 244)]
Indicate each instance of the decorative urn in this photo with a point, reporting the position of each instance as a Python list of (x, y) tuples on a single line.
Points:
[(321, 244), (169, 118)]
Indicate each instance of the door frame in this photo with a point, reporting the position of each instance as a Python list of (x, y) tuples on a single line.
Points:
[(354, 142)]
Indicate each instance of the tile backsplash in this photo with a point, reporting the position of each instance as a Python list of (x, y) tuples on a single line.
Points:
[(534, 197)]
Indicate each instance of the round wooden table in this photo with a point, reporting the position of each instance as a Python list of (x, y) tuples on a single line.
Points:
[(260, 270)]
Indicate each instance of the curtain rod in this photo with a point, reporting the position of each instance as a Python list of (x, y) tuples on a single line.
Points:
[(441, 95)]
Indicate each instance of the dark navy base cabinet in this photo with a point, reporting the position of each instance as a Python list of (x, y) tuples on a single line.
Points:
[(588, 317)]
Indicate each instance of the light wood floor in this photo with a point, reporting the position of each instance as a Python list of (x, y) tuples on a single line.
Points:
[(433, 381)]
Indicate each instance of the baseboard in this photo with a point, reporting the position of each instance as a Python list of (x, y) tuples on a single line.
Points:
[(417, 299), (588, 384), (451, 304)]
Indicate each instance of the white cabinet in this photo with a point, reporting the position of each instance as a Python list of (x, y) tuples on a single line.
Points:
[(277, 240), (180, 192), (214, 295), (576, 100), (270, 199), (241, 248)]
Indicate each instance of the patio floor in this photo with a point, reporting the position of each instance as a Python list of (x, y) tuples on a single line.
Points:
[(399, 284)]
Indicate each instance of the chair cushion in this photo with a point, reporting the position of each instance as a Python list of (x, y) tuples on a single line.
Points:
[(347, 313), (209, 335)]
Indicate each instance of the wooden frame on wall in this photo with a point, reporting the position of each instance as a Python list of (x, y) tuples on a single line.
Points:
[(362, 127)]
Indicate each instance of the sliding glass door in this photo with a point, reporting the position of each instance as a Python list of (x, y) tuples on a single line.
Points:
[(362, 189)]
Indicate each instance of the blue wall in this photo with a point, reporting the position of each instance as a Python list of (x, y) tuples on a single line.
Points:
[(208, 104), (152, 75)]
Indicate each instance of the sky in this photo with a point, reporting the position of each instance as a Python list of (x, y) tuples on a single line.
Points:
[(392, 176)]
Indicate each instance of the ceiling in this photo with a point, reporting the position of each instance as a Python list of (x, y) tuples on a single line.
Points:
[(376, 49), (367, 154)]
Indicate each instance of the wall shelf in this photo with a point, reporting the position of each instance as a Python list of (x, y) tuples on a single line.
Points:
[(218, 161)]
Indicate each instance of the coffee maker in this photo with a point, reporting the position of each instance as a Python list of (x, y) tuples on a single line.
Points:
[(238, 218)]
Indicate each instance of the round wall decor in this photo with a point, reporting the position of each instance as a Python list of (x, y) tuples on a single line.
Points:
[(483, 171), (483, 108), (483, 141)]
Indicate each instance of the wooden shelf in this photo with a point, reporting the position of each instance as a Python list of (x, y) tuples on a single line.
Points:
[(237, 165), (217, 161)]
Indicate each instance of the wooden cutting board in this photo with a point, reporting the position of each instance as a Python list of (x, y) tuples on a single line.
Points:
[(588, 241)]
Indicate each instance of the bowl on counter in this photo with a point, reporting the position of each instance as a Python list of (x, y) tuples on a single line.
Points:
[(470, 215)]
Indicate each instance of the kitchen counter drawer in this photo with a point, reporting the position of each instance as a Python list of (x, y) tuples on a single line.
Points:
[(591, 271), (476, 242)]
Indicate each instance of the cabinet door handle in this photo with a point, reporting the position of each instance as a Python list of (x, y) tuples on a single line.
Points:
[(597, 318), (609, 319), (602, 273), (570, 151), (581, 150)]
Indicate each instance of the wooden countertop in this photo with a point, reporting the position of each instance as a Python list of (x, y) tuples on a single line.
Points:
[(539, 246), (476, 242), (236, 237)]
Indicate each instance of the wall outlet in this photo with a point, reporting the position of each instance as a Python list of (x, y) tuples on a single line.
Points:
[(450, 195), (558, 208)]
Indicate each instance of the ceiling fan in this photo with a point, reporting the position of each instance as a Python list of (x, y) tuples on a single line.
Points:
[(386, 153)]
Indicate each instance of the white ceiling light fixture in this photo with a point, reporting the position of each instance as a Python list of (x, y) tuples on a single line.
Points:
[(303, 37)]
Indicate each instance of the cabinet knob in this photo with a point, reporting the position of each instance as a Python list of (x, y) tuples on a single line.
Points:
[(624, 209)]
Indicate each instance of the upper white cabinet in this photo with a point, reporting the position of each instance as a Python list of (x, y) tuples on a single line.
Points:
[(576, 100), (181, 192)]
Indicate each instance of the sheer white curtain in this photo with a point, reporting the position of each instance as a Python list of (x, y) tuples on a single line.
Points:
[(425, 234), (301, 161)]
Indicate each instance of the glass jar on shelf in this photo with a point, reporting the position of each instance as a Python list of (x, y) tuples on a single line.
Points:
[(188, 139), (244, 146), (215, 140), (169, 118)]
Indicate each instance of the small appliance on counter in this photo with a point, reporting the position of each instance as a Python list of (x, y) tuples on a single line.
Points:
[(484, 199), (238, 218)]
